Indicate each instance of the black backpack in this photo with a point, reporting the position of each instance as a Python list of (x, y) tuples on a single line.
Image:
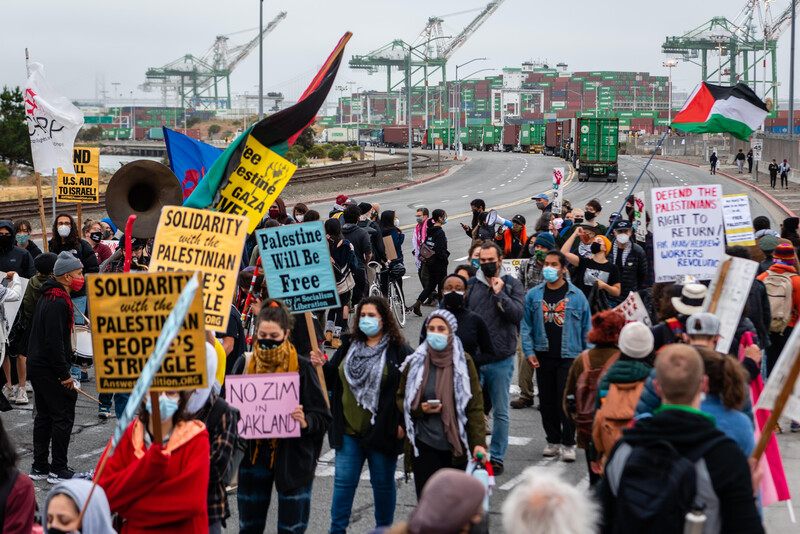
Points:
[(655, 486)]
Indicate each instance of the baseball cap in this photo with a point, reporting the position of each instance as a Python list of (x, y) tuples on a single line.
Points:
[(702, 324), (623, 225), (518, 219), (541, 196)]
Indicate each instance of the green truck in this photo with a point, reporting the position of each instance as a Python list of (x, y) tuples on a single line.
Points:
[(532, 138), (471, 137), (597, 148), (492, 137)]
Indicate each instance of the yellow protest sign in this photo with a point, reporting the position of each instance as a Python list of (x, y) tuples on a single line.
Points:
[(191, 240), (255, 184), (128, 312), (84, 185)]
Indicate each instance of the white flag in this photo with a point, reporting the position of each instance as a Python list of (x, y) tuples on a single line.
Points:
[(53, 122)]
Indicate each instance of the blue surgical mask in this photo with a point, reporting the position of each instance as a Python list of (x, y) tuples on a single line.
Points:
[(444, 221), (369, 325), (550, 274), (476, 262), (436, 341), (166, 406)]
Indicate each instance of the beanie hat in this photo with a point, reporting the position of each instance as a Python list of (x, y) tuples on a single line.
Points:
[(66, 263), (45, 262), (768, 243), (545, 239), (448, 501), (784, 253), (636, 341), (365, 207), (607, 243), (108, 221), (448, 317)]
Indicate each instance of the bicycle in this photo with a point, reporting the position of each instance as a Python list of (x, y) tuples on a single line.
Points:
[(397, 302)]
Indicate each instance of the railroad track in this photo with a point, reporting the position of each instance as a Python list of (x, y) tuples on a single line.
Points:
[(29, 209)]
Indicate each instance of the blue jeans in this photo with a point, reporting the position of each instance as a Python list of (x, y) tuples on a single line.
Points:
[(349, 461), (497, 378), (78, 303)]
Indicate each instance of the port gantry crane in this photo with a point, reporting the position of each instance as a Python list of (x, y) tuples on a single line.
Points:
[(196, 80), (742, 45), (427, 59)]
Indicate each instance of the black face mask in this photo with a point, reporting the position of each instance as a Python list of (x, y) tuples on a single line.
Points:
[(6, 242), (453, 300), (96, 236), (629, 210), (107, 234), (595, 248), (55, 530), (578, 220), (588, 215), (489, 269), (269, 344)]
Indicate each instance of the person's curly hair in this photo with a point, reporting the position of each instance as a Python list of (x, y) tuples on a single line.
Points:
[(390, 326), (606, 326)]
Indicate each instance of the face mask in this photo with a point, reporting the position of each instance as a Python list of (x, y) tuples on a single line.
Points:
[(595, 248), (629, 209), (550, 274), (436, 341), (396, 221), (77, 284), (540, 205), (107, 234), (453, 299), (539, 254), (55, 530), (269, 344), (589, 215), (166, 406), (273, 214), (489, 269), (22, 239), (419, 220), (444, 221), (299, 218), (369, 325), (578, 220), (96, 236), (64, 231), (6, 241), (623, 239), (475, 263)]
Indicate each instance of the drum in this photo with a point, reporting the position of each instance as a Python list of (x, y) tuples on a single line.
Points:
[(82, 354)]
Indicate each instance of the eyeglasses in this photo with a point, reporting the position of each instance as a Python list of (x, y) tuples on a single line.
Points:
[(64, 224)]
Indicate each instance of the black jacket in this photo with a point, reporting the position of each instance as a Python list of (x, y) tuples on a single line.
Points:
[(633, 275), (33, 249), (375, 239), (19, 260), (474, 336), (359, 238), (759, 312), (382, 436), (727, 466), (437, 240), (50, 344), (85, 254)]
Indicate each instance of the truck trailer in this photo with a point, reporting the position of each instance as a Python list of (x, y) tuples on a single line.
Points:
[(597, 148)]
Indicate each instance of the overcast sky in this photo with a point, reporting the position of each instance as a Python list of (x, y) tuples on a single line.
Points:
[(82, 42)]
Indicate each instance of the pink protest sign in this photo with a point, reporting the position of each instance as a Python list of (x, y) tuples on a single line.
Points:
[(265, 403)]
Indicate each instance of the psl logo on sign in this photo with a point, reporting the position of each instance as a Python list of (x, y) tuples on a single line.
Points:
[(558, 192)]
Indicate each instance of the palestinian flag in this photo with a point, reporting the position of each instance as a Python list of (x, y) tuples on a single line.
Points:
[(717, 109), (277, 132)]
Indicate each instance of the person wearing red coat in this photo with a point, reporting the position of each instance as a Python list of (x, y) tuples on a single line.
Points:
[(160, 487)]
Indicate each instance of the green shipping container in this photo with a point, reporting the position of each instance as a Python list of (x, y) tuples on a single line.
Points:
[(155, 133), (597, 149)]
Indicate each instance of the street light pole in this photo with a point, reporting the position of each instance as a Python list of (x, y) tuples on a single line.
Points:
[(791, 79), (458, 100), (260, 59)]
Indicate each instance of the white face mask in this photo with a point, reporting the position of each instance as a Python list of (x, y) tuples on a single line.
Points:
[(64, 231), (299, 218), (396, 221), (623, 239)]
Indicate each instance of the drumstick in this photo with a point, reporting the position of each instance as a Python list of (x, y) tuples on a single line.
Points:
[(87, 395)]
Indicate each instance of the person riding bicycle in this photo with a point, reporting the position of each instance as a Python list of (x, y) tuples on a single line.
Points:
[(396, 269)]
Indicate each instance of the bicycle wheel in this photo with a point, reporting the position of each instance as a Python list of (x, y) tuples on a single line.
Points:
[(398, 303), (375, 290)]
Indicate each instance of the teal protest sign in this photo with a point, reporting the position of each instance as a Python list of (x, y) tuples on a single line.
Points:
[(297, 266)]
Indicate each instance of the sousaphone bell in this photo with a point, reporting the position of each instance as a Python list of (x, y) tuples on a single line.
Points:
[(142, 188)]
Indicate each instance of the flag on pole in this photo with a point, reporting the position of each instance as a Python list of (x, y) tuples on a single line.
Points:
[(270, 138), (717, 109), (53, 122), (189, 159)]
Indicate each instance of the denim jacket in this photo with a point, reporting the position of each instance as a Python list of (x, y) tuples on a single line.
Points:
[(577, 323)]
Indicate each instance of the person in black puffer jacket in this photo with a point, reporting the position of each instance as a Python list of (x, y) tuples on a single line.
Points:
[(437, 265), (631, 260)]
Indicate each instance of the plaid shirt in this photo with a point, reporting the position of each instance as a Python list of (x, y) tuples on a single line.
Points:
[(222, 440)]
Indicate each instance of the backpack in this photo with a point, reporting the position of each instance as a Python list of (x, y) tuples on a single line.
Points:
[(655, 487), (586, 395), (220, 408), (616, 413), (779, 293)]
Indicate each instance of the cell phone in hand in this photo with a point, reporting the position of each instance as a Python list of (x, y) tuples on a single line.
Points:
[(433, 403)]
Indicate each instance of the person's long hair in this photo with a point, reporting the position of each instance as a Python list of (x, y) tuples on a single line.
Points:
[(72, 241), (334, 229), (390, 327), (726, 378), (8, 455), (387, 221)]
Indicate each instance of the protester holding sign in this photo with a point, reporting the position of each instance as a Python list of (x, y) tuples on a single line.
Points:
[(363, 377), (596, 271), (288, 463), (440, 397), (160, 486)]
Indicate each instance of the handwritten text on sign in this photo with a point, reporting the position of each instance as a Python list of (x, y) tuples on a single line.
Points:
[(738, 224), (199, 240), (255, 184), (128, 313), (83, 186), (297, 264), (265, 403), (688, 232), (558, 189)]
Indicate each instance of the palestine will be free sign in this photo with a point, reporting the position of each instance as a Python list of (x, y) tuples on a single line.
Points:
[(128, 314), (84, 185), (297, 266), (254, 184), (192, 240)]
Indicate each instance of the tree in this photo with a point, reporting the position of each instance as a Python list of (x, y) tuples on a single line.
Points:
[(318, 152), (306, 139), (15, 144), (95, 133), (214, 129), (336, 153)]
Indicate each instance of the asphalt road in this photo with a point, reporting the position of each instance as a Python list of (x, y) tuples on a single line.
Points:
[(506, 181)]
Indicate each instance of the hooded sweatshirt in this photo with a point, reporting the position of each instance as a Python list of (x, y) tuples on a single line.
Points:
[(16, 258), (50, 331), (97, 519)]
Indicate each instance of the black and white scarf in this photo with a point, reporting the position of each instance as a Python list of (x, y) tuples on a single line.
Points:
[(363, 370)]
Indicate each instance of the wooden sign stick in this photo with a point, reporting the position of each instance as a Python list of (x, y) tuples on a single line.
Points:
[(780, 403), (87, 395), (312, 337), (41, 211), (720, 284), (155, 418), (80, 218)]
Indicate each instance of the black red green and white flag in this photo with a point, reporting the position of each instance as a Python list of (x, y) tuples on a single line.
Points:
[(277, 133), (719, 109)]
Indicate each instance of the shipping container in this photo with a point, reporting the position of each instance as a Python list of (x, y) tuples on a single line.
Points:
[(511, 137), (340, 135), (395, 136), (596, 148), (552, 138), (491, 138), (156, 134)]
